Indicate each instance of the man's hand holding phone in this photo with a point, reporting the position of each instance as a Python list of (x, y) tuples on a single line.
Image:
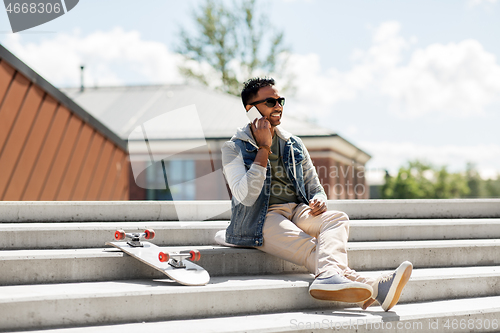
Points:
[(261, 127), (261, 130)]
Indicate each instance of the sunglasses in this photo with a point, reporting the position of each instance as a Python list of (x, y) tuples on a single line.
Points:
[(271, 102)]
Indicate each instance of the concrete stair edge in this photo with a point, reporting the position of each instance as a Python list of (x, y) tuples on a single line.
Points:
[(424, 317), (104, 303), (383, 233), (73, 235), (100, 264), (33, 211)]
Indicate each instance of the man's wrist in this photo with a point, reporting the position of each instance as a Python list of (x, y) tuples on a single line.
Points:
[(262, 157), (267, 148)]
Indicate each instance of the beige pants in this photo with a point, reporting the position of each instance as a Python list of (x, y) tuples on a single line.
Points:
[(317, 242)]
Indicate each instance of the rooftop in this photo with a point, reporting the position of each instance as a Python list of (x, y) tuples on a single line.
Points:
[(35, 78), (123, 108)]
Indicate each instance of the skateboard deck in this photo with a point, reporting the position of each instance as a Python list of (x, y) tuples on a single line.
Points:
[(188, 274)]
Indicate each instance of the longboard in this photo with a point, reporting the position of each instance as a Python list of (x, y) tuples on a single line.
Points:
[(173, 264)]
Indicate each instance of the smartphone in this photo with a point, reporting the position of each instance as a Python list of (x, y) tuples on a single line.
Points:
[(253, 113)]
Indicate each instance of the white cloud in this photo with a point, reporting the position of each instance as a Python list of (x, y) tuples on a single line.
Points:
[(328, 87), (480, 2), (452, 79), (390, 155), (352, 130), (110, 58), (457, 79), (324, 88)]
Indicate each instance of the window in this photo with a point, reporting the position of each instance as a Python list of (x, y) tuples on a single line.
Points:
[(176, 180)]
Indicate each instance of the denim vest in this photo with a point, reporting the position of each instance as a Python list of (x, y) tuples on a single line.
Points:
[(247, 221)]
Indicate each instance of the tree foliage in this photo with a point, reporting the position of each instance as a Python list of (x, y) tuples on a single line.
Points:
[(492, 188), (474, 182), (423, 181), (230, 45)]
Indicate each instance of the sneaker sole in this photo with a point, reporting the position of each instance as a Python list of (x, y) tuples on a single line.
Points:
[(399, 282), (348, 295), (367, 303)]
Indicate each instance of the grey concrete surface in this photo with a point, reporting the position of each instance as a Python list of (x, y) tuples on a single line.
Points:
[(56, 266), (423, 229), (437, 316), (55, 273), (75, 235), (418, 208), (99, 303), (100, 211)]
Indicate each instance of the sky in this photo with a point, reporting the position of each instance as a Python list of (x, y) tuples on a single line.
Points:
[(402, 80)]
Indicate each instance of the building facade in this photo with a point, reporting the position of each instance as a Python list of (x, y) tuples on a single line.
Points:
[(175, 134), (50, 148)]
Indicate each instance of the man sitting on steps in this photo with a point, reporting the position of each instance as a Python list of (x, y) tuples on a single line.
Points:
[(279, 206)]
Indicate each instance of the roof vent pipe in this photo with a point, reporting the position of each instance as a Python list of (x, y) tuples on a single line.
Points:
[(81, 78)]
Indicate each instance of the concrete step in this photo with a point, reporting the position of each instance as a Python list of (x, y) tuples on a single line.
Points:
[(433, 253), (423, 229), (104, 264), (101, 264), (481, 314), (111, 302), (98, 211), (50, 248), (76, 235)]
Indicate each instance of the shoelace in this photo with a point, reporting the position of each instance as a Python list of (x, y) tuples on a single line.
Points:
[(387, 277)]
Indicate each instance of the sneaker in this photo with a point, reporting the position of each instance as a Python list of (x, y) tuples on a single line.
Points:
[(220, 238), (339, 288), (388, 288)]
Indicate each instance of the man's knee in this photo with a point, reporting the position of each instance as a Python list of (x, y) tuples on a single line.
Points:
[(340, 216), (337, 218)]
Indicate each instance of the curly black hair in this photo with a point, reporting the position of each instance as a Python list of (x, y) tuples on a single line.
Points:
[(252, 86)]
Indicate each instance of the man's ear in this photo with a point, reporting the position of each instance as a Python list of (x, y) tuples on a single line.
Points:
[(248, 107)]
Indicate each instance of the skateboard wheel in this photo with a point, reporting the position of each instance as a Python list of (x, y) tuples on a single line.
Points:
[(119, 234), (163, 257), (195, 255), (150, 233)]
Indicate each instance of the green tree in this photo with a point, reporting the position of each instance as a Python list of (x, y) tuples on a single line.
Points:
[(450, 185), (231, 44), (410, 183), (492, 187), (474, 181), (424, 181)]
